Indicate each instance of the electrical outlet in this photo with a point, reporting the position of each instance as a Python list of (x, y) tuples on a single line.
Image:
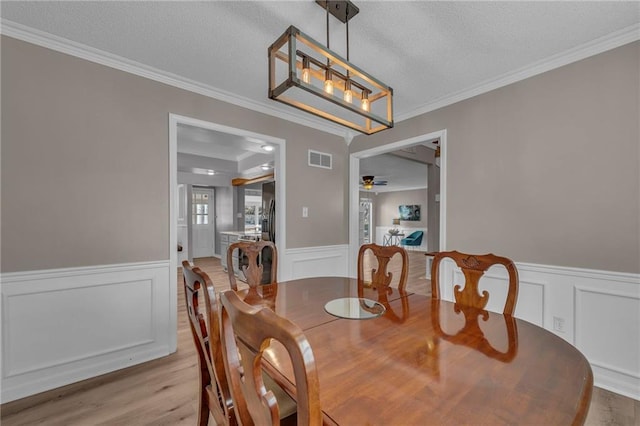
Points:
[(305, 212), (558, 324)]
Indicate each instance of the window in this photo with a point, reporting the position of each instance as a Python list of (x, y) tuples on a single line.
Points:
[(253, 210), (200, 208)]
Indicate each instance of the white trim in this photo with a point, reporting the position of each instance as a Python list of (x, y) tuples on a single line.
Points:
[(591, 48), (51, 337), (610, 317), (318, 261), (79, 50), (625, 277), (173, 231), (354, 187), (43, 274), (279, 171)]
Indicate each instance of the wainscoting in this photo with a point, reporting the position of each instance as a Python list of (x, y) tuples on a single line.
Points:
[(596, 311), (315, 262), (63, 326), (66, 325)]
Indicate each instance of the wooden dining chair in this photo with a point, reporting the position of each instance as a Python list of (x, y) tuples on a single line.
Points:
[(213, 389), (254, 269), (246, 332), (214, 394), (380, 278), (473, 267)]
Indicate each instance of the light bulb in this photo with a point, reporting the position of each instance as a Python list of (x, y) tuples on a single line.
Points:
[(365, 104), (365, 100), (348, 94), (306, 72), (328, 87), (328, 83)]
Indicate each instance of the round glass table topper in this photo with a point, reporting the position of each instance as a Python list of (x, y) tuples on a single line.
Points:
[(354, 308)]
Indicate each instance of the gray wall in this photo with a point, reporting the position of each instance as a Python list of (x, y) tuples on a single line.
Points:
[(545, 170), (85, 163), (386, 205)]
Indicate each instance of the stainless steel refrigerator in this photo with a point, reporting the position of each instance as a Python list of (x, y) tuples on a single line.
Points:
[(268, 226), (269, 211)]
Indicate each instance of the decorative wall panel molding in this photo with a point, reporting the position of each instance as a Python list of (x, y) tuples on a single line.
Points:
[(607, 330), (66, 325), (315, 262)]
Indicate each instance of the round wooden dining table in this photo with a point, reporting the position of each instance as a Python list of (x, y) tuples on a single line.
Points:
[(426, 361)]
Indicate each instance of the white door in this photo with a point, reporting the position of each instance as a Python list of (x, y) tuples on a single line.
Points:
[(202, 216)]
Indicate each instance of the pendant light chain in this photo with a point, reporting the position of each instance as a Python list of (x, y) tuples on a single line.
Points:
[(328, 46), (347, 36)]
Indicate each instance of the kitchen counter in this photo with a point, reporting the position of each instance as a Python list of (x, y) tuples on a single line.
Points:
[(229, 237), (240, 233)]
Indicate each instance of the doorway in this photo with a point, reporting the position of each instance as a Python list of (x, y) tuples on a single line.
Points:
[(174, 206), (354, 185)]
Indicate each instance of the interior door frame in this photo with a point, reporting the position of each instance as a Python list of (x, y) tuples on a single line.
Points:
[(279, 176), (354, 185)]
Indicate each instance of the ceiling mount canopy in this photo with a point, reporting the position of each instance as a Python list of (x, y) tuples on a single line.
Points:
[(307, 75)]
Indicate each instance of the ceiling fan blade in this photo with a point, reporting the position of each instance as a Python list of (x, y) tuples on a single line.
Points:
[(380, 182)]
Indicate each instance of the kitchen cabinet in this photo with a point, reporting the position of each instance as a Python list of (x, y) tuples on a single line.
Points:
[(226, 239)]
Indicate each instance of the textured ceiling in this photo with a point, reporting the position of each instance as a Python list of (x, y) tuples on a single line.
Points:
[(427, 51), (400, 173), (431, 53)]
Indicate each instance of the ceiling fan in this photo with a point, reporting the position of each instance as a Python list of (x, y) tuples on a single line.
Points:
[(368, 182)]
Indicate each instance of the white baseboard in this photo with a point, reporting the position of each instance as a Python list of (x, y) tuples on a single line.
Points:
[(596, 311), (66, 325), (315, 262)]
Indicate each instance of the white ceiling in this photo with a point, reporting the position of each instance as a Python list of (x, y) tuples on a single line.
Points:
[(244, 156), (400, 173), (432, 53)]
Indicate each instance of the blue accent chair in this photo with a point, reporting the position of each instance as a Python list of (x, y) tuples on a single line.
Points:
[(415, 239)]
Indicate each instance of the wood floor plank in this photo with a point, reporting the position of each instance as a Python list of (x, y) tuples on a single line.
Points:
[(163, 391)]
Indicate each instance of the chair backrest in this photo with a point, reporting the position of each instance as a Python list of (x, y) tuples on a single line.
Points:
[(416, 234), (414, 239), (246, 332), (380, 278), (253, 270), (205, 329), (473, 267)]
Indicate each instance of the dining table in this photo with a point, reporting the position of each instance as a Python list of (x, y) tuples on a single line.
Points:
[(424, 361)]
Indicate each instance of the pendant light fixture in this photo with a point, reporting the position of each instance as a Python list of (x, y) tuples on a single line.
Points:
[(307, 75)]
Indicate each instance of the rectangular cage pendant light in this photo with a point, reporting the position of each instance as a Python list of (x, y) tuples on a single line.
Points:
[(305, 74)]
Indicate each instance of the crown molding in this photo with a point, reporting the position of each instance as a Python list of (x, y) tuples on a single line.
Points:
[(60, 44), (594, 47), (79, 50)]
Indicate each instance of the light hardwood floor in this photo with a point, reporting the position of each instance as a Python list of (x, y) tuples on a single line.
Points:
[(163, 391)]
